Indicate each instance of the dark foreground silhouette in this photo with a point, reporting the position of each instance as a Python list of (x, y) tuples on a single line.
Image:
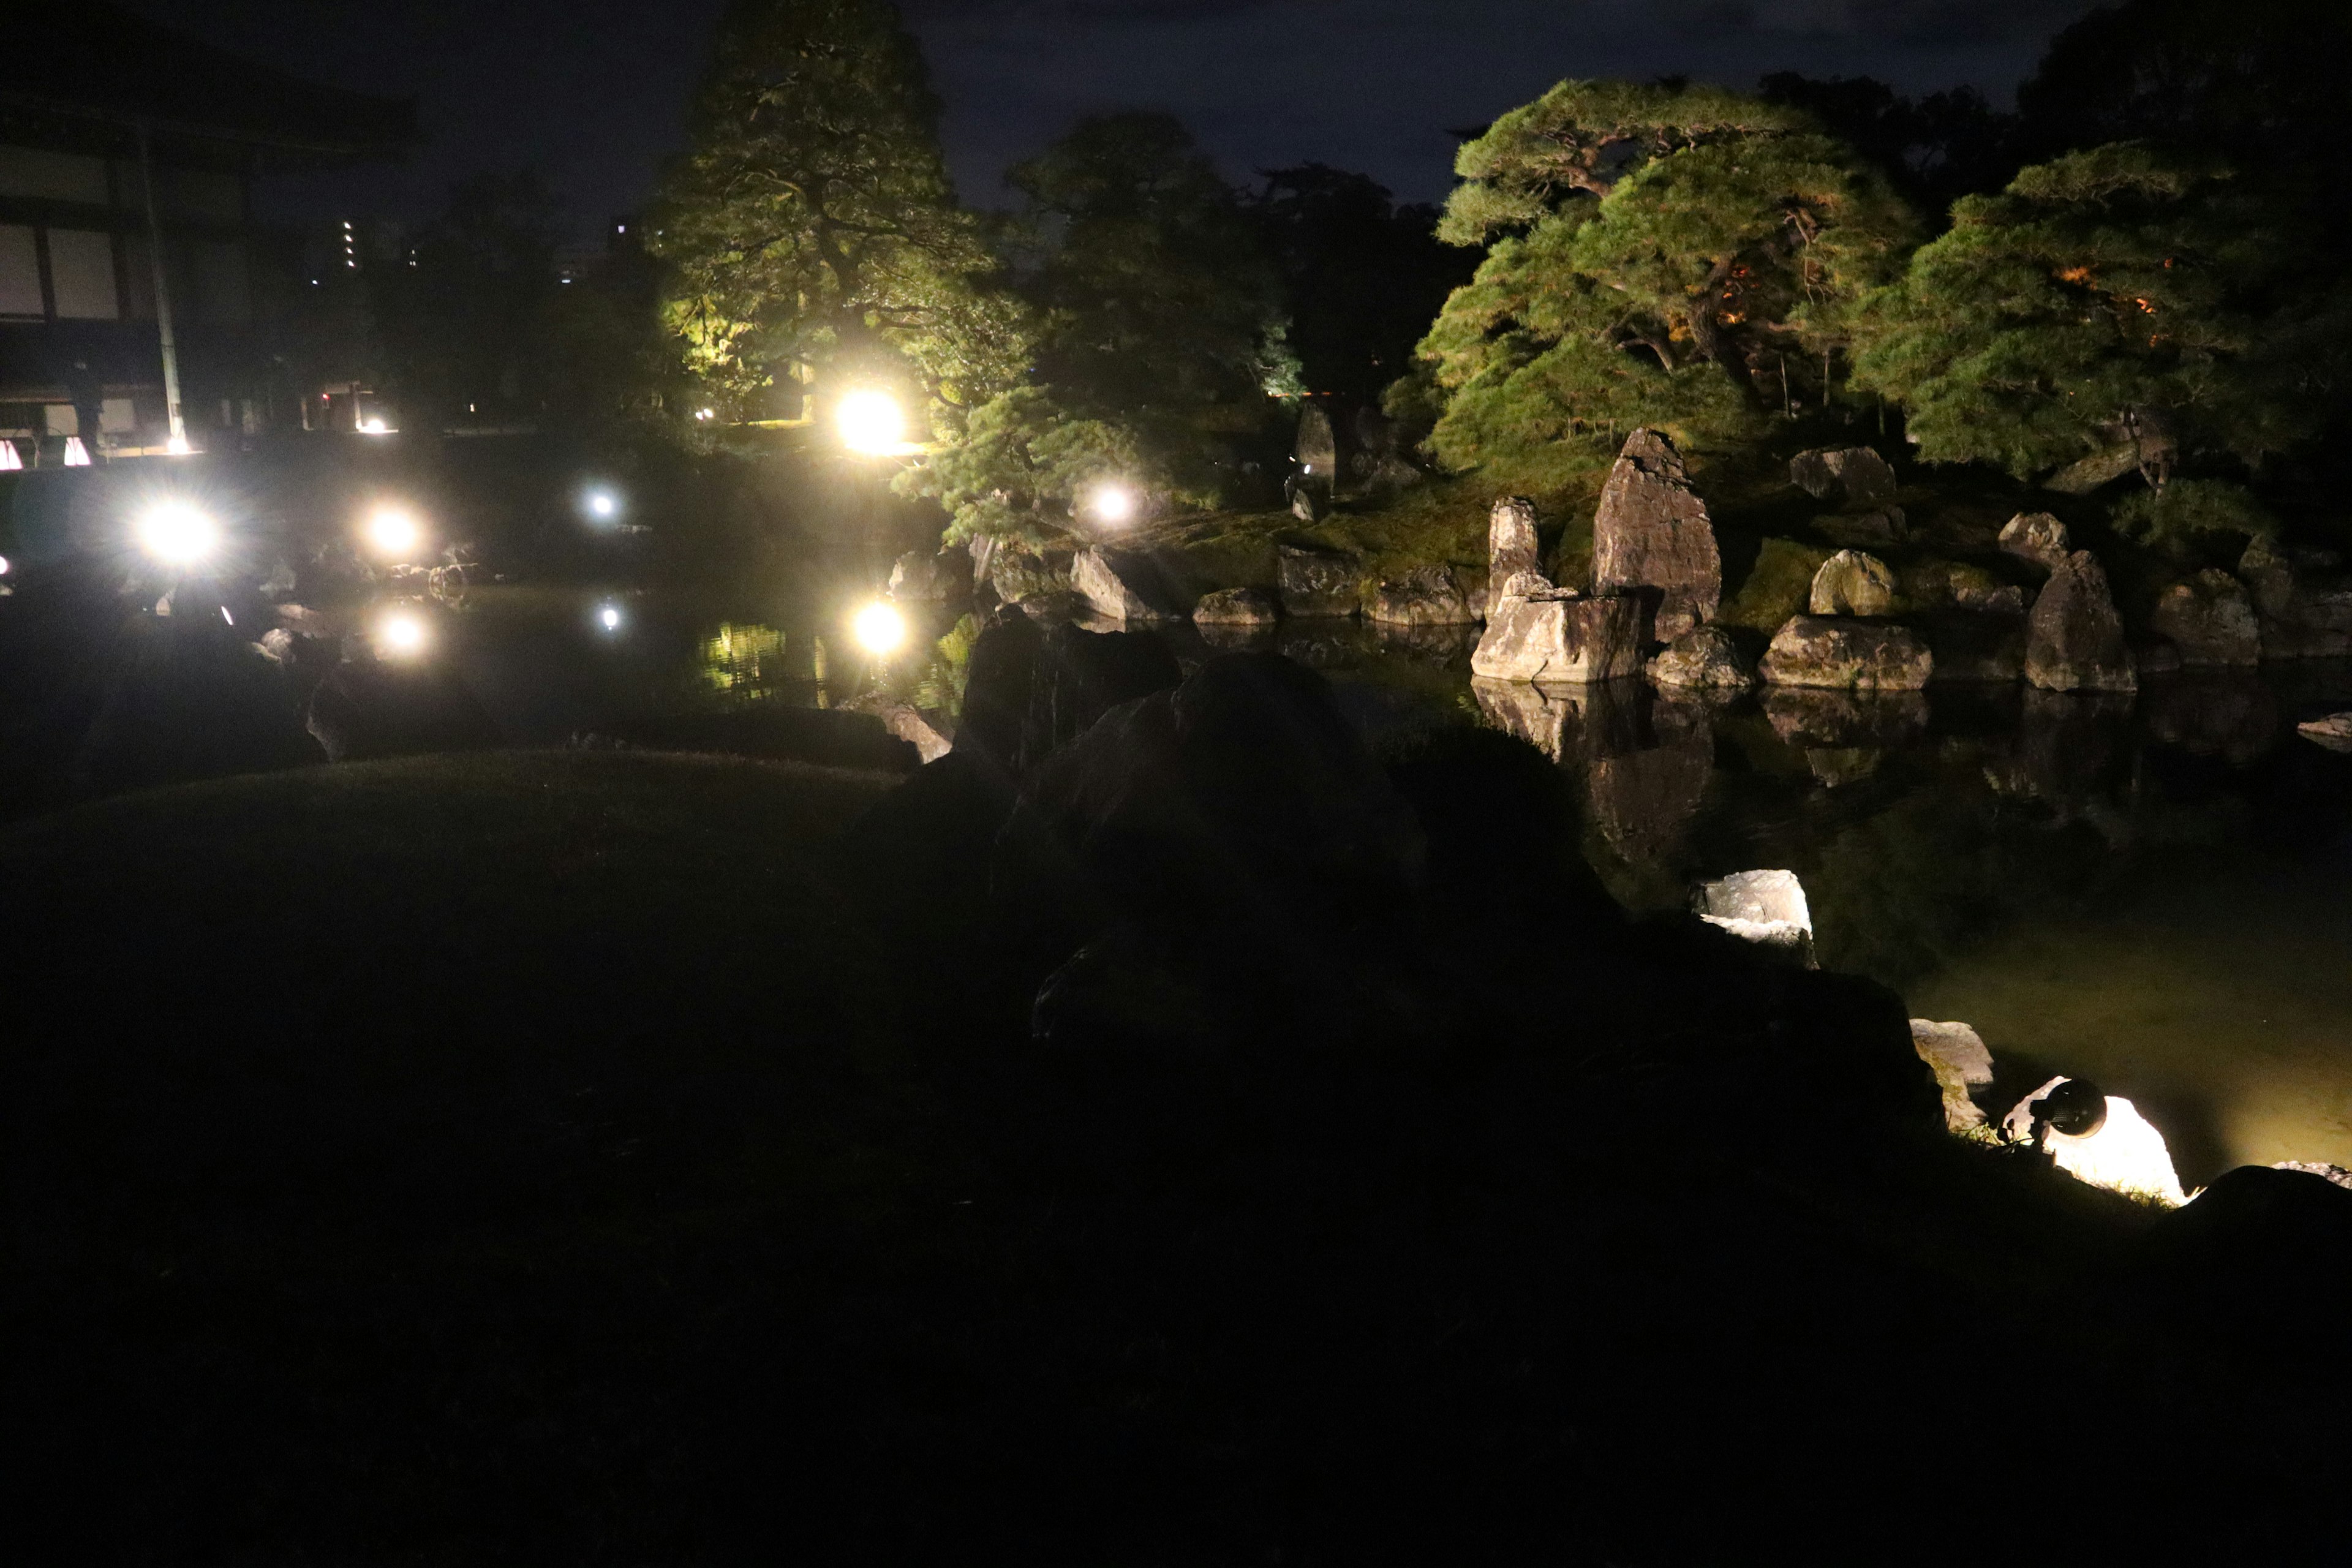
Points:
[(1162, 1131)]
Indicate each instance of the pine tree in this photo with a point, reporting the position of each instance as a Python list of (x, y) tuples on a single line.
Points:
[(812, 230), (1657, 255), (2116, 296)]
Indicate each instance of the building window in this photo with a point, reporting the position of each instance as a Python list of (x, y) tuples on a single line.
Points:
[(52, 176), (81, 275), (20, 272)]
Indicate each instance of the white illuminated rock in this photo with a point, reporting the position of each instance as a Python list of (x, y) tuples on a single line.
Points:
[(1962, 1062), (2123, 1154), (1767, 908)]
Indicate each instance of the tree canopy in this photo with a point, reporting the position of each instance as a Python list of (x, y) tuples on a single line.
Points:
[(1153, 291), (810, 229), (2117, 295), (1662, 255)]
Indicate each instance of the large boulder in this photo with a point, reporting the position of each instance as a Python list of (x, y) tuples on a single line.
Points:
[(2211, 619), (997, 678), (370, 707), (2036, 536), (1019, 574), (2299, 619), (1242, 793), (1707, 659), (2074, 639), (1986, 649), (1237, 607), (1854, 477), (922, 575), (1652, 535), (1081, 675), (1123, 585), (1513, 557), (189, 698), (1422, 596), (1767, 908), (1563, 637), (1830, 651), (1853, 584), (1318, 581), (1961, 1064)]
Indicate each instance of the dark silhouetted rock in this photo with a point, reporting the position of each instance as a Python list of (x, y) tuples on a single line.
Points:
[(1854, 477), (2036, 536), (1422, 596), (191, 701), (996, 690), (1977, 591), (1242, 791), (1707, 659), (1562, 636), (2211, 619), (1319, 581), (1651, 535), (1317, 446), (1853, 584), (2074, 639), (370, 707), (1514, 562), (1081, 675), (1820, 650), (1125, 585), (1237, 607)]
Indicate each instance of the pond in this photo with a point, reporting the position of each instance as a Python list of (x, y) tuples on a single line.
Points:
[(2152, 893)]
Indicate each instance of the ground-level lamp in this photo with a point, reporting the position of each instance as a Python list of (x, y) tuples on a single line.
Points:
[(871, 423), (176, 533), (395, 533), (1112, 503), (880, 630)]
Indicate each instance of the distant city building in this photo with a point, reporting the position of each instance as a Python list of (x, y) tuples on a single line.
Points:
[(119, 139)]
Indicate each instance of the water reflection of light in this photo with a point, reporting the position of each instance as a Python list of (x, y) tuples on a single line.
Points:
[(401, 634), (743, 661), (880, 629)]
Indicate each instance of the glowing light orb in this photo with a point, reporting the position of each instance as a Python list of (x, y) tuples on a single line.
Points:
[(3, 566), (403, 634), (179, 447), (1113, 503), (177, 533), (871, 422), (394, 532), (879, 629), (374, 427), (609, 617), (604, 503)]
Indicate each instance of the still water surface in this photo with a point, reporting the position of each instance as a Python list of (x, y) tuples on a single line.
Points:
[(2156, 894)]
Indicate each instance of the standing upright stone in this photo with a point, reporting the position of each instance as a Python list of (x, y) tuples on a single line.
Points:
[(1651, 535), (2074, 640), (1511, 555)]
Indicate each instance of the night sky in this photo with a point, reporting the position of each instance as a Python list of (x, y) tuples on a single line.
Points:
[(592, 93)]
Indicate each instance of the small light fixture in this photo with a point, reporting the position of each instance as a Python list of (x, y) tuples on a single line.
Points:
[(871, 423), (77, 455), (602, 504), (609, 617), (1113, 503), (176, 533), (880, 629), (393, 533)]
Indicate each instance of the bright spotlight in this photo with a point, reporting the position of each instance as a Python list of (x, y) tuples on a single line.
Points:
[(871, 422), (3, 566), (1113, 503), (604, 504), (401, 634), (178, 446), (177, 533), (880, 629), (394, 532), (609, 617), (372, 425)]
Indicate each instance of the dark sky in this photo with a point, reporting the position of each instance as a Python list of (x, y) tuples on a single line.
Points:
[(592, 93)]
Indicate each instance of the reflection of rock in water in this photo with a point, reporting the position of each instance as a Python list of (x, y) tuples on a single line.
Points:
[(1324, 642), (1238, 637), (1846, 736), (1644, 762), (2232, 715), (1433, 644), (2069, 745)]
